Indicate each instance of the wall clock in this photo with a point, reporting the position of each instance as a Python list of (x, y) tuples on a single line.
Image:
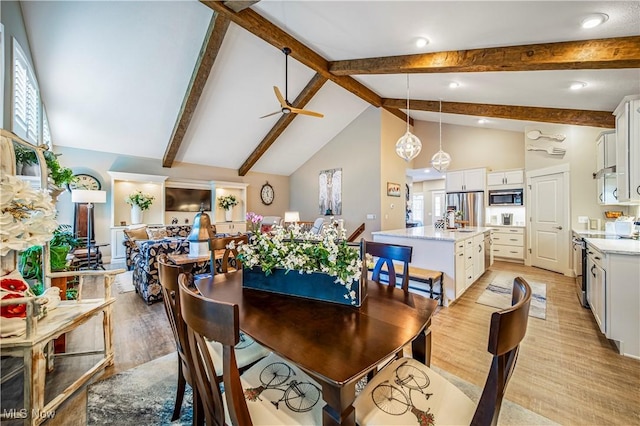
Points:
[(84, 181), (267, 194)]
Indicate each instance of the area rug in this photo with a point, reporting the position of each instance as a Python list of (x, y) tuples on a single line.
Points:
[(498, 295), (145, 396), (124, 282)]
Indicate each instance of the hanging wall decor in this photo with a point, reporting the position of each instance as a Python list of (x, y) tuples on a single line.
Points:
[(330, 194)]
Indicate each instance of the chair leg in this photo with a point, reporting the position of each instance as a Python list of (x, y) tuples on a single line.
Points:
[(179, 392)]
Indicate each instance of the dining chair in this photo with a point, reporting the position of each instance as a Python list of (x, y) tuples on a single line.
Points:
[(270, 392), (168, 276), (409, 392), (391, 256), (229, 261)]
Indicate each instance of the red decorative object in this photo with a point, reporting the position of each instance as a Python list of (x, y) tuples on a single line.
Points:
[(13, 311)]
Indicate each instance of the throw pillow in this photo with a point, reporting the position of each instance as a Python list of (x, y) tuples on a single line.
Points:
[(137, 233), (157, 233)]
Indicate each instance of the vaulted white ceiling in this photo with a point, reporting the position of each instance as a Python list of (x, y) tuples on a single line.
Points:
[(113, 75)]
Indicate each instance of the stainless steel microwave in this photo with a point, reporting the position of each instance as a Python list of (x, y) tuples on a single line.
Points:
[(506, 197)]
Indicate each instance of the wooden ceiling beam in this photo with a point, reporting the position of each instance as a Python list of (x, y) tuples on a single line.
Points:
[(238, 5), (207, 57), (611, 53), (283, 122), (524, 113), (267, 31)]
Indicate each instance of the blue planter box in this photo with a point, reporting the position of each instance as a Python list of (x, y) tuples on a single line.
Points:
[(317, 285)]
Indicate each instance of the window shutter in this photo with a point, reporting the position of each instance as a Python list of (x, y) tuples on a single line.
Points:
[(26, 97), (46, 132)]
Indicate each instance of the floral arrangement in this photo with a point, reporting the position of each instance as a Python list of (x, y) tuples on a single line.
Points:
[(227, 201), (293, 249), (140, 199), (254, 221), (27, 215)]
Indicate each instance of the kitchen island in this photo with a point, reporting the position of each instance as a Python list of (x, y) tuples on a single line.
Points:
[(458, 253)]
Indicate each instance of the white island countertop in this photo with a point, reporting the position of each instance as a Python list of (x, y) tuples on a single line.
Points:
[(432, 233)]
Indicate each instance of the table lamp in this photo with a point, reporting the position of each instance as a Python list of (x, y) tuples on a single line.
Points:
[(292, 217), (200, 235), (89, 197)]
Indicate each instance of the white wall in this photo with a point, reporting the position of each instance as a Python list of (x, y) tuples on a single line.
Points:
[(357, 151)]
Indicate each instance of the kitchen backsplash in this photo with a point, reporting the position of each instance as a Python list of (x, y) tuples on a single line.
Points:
[(494, 215)]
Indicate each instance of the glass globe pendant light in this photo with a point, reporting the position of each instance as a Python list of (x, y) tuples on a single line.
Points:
[(440, 160), (409, 145)]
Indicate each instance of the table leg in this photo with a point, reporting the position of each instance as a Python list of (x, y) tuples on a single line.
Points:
[(421, 347), (339, 409)]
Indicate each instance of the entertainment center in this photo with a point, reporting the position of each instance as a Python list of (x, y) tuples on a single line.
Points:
[(164, 211)]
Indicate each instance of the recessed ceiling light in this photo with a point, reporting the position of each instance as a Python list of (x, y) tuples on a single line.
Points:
[(577, 85), (483, 121), (454, 85), (421, 42), (594, 20)]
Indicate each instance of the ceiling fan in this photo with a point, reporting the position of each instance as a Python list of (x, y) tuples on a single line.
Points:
[(285, 106)]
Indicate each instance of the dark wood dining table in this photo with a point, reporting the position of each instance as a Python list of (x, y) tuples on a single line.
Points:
[(336, 344)]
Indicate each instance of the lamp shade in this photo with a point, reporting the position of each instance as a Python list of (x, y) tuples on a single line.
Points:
[(292, 216), (86, 196)]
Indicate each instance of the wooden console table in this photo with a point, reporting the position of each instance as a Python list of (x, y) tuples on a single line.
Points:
[(32, 346)]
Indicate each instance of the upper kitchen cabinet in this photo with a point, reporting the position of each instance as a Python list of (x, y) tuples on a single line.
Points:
[(505, 179), (607, 179), (628, 149), (466, 180)]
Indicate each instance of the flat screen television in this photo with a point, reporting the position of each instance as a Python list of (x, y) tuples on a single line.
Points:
[(187, 200)]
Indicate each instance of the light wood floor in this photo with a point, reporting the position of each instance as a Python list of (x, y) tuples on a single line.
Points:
[(567, 371)]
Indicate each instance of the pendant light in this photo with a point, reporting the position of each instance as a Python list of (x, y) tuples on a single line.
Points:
[(408, 146), (440, 160)]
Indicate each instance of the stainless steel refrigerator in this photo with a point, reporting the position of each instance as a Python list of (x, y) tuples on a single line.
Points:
[(471, 204)]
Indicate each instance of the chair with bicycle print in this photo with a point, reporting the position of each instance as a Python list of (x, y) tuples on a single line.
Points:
[(408, 392), (270, 392)]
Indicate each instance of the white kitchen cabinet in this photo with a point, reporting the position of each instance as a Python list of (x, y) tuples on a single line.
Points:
[(505, 179), (231, 227), (466, 180), (478, 256), (628, 149), (596, 286), (508, 243), (607, 181), (460, 266)]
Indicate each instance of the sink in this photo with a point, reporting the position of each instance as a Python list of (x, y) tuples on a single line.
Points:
[(464, 230)]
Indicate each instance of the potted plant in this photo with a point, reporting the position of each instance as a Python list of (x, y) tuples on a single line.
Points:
[(226, 202), (30, 262), (59, 175), (25, 159), (139, 202)]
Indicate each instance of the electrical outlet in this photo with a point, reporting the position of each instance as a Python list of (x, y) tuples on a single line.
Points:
[(371, 216)]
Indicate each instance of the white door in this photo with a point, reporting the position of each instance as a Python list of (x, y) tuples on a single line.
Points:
[(549, 233)]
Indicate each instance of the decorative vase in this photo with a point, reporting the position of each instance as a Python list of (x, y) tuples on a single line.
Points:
[(316, 285), (228, 214), (136, 214)]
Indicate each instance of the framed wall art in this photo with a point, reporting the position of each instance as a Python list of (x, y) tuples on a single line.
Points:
[(330, 194), (393, 189)]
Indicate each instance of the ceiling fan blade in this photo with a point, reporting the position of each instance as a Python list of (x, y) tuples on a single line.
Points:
[(273, 113), (281, 99), (306, 112)]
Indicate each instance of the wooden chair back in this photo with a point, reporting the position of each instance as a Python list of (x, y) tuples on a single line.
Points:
[(229, 261), (387, 254), (507, 330), (219, 321)]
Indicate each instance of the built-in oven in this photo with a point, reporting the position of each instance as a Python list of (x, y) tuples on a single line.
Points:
[(506, 197), (579, 268)]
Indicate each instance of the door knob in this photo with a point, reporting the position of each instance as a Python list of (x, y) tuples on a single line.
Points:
[(558, 227)]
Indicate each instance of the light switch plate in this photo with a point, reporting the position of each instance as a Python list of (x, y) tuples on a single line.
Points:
[(583, 219)]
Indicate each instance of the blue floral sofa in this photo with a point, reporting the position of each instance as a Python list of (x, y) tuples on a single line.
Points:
[(144, 245)]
